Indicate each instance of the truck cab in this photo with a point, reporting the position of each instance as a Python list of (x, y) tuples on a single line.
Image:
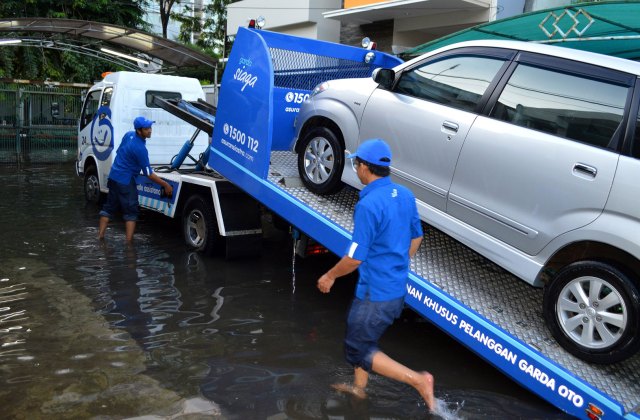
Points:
[(108, 112)]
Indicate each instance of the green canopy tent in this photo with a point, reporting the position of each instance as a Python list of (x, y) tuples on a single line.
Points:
[(605, 27)]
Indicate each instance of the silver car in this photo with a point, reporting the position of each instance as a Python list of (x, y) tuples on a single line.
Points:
[(527, 153)]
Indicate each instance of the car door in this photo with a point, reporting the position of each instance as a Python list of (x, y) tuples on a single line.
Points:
[(543, 162), (425, 117)]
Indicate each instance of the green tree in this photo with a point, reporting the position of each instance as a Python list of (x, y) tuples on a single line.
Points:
[(42, 63), (165, 13), (210, 25)]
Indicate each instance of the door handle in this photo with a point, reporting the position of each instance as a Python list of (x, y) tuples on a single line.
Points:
[(450, 126), (585, 169)]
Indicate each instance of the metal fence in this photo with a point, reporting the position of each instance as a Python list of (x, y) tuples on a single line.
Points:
[(38, 122)]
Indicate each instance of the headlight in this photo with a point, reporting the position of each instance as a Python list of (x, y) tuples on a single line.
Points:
[(320, 88)]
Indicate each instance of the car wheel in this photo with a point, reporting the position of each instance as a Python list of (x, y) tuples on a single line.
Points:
[(92, 185), (199, 226), (593, 311), (321, 161)]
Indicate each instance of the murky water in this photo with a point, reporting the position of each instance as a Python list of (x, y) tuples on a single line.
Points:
[(106, 330)]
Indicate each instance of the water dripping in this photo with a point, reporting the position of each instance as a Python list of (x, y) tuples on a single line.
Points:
[(293, 266)]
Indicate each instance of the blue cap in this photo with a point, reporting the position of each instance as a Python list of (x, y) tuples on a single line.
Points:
[(142, 122), (374, 151)]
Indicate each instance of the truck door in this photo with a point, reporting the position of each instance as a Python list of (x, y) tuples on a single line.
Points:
[(89, 108), (95, 137)]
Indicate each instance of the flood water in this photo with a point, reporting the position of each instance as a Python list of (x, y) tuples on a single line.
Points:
[(103, 330)]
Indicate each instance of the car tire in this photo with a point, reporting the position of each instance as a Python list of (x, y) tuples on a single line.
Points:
[(200, 227), (593, 311), (321, 161), (92, 186)]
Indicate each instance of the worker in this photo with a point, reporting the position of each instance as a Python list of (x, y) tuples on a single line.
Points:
[(386, 234), (132, 159)]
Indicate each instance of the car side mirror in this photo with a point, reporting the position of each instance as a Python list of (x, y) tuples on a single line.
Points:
[(384, 77)]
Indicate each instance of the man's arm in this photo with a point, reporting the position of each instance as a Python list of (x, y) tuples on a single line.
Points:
[(345, 266), (168, 189), (415, 244)]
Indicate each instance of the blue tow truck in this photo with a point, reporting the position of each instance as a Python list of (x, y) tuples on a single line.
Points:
[(268, 76)]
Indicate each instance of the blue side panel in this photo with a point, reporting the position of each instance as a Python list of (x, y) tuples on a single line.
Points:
[(244, 122)]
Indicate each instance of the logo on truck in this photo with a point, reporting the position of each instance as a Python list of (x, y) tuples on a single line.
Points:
[(243, 75), (102, 133)]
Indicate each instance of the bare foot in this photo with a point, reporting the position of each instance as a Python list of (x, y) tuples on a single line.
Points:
[(426, 390), (350, 389)]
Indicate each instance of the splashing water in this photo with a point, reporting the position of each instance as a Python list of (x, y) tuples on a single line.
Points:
[(448, 411)]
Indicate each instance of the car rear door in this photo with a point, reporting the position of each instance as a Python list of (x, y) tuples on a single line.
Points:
[(543, 162), (426, 116)]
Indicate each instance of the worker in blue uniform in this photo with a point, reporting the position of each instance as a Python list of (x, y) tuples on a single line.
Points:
[(386, 234), (132, 159)]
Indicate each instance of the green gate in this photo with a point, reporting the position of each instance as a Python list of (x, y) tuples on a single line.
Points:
[(38, 121)]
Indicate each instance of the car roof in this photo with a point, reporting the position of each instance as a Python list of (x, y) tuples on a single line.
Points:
[(602, 60)]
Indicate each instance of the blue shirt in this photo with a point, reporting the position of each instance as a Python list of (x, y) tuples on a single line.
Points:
[(131, 159), (386, 220)]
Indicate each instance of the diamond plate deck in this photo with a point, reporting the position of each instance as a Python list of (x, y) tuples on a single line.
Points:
[(484, 287)]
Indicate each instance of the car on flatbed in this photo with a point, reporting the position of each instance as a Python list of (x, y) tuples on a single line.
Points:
[(527, 153)]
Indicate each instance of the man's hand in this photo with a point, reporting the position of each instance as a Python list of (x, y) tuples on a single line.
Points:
[(345, 266), (325, 282), (168, 190)]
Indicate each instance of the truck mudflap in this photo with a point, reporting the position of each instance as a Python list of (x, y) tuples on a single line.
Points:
[(267, 77)]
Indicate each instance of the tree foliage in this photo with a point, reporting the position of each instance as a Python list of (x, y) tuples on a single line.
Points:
[(42, 63), (166, 14), (209, 29), (209, 26)]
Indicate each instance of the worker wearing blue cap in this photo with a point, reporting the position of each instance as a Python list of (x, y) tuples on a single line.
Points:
[(132, 159), (387, 232)]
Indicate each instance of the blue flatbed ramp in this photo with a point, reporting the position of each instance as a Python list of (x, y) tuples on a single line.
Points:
[(494, 314)]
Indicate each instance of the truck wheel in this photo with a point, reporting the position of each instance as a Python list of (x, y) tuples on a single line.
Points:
[(321, 161), (593, 311), (199, 226), (92, 185)]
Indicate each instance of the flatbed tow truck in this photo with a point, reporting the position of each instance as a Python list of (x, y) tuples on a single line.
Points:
[(477, 303)]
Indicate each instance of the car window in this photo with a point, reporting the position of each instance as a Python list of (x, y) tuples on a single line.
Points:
[(458, 81), (91, 105), (574, 107)]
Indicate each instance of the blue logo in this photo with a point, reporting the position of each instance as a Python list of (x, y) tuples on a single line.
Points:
[(102, 133)]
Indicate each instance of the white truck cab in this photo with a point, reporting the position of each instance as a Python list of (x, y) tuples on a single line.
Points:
[(108, 113), (216, 216)]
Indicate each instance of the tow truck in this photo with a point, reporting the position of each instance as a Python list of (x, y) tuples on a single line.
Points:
[(267, 77)]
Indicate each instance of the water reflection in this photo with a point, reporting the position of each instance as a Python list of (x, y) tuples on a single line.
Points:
[(135, 288), (94, 329)]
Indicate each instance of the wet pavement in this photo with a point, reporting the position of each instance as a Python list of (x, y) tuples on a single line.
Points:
[(92, 329)]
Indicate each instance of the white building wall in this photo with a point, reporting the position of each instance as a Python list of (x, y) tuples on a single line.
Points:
[(533, 5), (294, 17)]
